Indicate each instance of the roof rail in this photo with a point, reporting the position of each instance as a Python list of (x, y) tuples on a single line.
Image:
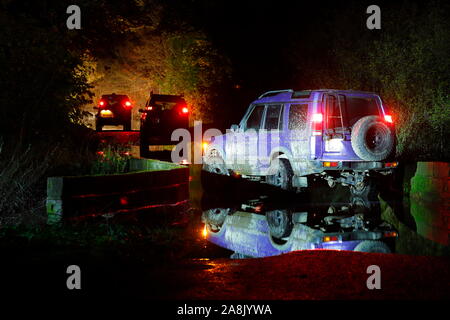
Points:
[(273, 92)]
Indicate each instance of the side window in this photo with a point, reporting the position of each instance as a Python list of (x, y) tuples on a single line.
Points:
[(297, 116), (254, 120), (273, 117)]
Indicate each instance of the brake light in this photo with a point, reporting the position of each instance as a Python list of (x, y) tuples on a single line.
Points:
[(388, 118), (101, 103), (317, 117), (150, 108), (185, 110), (317, 121), (127, 104)]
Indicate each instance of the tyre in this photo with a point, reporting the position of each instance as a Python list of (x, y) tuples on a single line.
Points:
[(282, 174), (280, 223), (215, 165), (372, 246), (216, 217), (372, 139)]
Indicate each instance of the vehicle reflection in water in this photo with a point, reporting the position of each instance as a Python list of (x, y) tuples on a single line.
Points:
[(260, 228)]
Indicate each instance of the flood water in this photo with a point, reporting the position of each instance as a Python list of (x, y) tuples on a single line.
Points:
[(251, 219)]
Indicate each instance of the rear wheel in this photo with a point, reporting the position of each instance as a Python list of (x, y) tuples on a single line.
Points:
[(372, 246), (282, 174)]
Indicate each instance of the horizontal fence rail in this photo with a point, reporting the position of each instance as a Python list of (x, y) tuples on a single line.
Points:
[(150, 184)]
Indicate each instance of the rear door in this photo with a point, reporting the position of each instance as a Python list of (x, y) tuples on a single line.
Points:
[(298, 129), (336, 134)]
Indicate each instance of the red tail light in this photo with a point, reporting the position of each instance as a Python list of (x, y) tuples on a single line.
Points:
[(127, 104), (388, 118), (184, 110), (330, 164), (317, 124), (391, 164), (101, 103), (330, 238)]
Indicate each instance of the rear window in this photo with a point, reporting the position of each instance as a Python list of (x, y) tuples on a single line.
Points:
[(164, 105), (359, 107), (353, 109)]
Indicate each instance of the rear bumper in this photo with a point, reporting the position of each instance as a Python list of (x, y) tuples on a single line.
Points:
[(356, 165)]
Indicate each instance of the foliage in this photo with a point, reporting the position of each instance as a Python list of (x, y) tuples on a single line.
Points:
[(21, 199), (406, 62), (178, 62), (194, 68), (111, 159)]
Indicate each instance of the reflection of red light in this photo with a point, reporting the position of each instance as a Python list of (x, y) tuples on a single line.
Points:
[(330, 238), (100, 153)]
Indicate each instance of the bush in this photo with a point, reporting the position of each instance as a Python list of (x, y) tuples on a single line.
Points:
[(111, 159), (22, 199)]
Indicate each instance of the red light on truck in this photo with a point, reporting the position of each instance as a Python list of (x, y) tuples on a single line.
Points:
[(391, 164), (388, 118), (330, 238), (390, 234), (185, 110), (101, 103), (330, 164), (127, 104), (317, 120), (317, 117)]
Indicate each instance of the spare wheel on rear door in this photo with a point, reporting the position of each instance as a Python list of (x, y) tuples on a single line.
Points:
[(372, 139)]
